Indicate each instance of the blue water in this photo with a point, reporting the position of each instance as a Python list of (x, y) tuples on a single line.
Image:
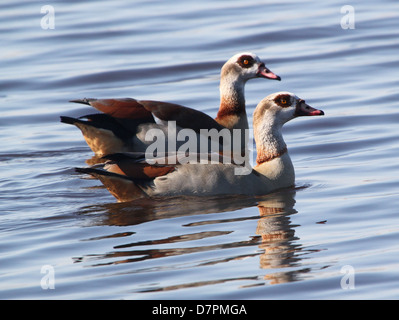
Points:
[(287, 245)]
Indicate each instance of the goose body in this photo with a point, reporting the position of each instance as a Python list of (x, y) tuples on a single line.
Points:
[(128, 178), (125, 124)]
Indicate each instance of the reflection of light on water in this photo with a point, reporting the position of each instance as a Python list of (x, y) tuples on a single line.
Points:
[(275, 238), (349, 157)]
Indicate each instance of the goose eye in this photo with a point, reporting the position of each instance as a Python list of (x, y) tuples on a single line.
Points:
[(246, 61), (283, 100)]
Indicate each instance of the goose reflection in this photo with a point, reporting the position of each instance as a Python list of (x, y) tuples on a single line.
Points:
[(274, 235), (278, 236)]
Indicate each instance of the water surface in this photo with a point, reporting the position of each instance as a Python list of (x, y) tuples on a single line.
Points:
[(291, 244)]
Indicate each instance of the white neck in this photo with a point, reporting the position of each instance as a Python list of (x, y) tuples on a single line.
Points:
[(273, 160), (269, 141), (232, 113), (232, 90)]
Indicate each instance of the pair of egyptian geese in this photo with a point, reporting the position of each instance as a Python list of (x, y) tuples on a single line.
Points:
[(119, 134)]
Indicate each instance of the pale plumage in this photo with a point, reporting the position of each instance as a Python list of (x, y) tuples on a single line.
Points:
[(127, 177), (124, 123)]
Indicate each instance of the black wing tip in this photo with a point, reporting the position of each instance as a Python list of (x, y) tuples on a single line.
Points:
[(86, 170), (83, 101), (139, 156), (68, 120), (99, 173)]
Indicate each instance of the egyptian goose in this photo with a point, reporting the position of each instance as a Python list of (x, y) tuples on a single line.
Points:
[(128, 178), (124, 123)]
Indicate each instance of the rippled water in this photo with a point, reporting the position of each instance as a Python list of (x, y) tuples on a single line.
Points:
[(287, 245)]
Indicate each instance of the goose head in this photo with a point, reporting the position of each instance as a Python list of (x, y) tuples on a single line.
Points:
[(280, 107), (245, 66), (235, 73), (269, 117)]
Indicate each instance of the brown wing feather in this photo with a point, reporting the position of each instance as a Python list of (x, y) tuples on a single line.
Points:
[(185, 117), (129, 108), (125, 108), (139, 171)]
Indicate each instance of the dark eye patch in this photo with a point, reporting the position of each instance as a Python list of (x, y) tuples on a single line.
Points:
[(283, 100), (246, 61)]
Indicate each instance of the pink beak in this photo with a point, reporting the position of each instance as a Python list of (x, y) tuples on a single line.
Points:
[(264, 72), (303, 109)]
